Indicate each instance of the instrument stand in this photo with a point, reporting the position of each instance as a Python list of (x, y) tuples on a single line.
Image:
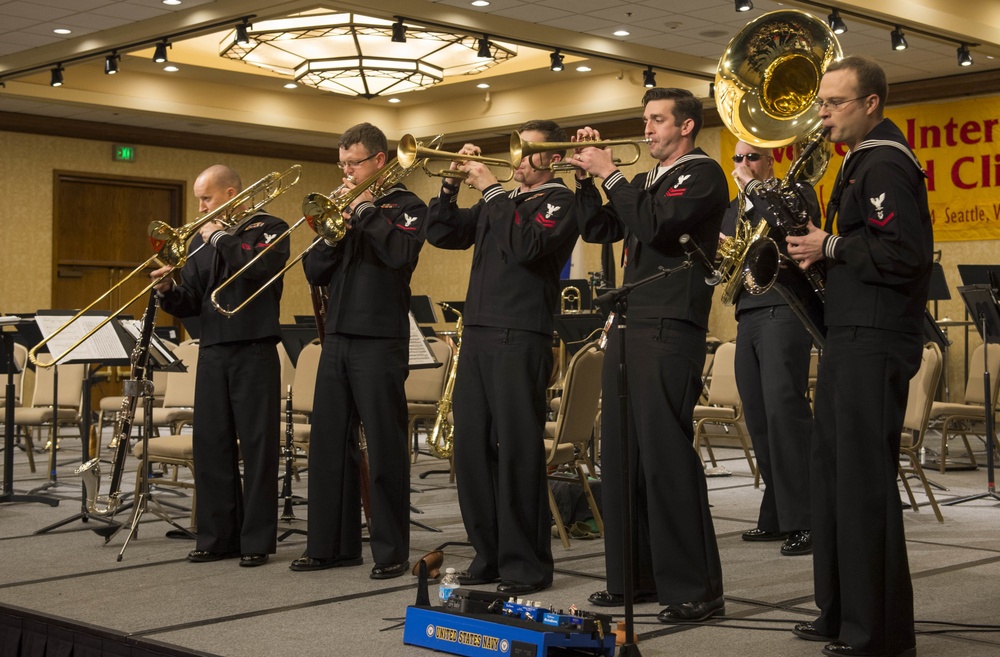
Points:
[(9, 366), (53, 481), (982, 303), (288, 450), (619, 297)]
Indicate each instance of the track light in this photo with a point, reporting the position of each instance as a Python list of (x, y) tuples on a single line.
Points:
[(242, 34), (398, 31), (964, 56), (649, 78), (160, 54), (484, 48), (711, 90), (57, 76), (898, 40), (111, 63), (744, 5), (557, 61), (836, 22)]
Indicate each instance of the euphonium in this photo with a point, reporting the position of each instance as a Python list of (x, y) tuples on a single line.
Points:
[(442, 438)]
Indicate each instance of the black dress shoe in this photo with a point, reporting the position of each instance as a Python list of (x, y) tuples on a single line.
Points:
[(520, 588), (692, 612), (473, 580), (388, 571), (252, 560), (798, 543), (809, 632), (607, 599), (840, 649), (204, 556), (306, 563), (756, 535)]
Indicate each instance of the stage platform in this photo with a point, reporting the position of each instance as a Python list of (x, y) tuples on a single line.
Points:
[(66, 586)]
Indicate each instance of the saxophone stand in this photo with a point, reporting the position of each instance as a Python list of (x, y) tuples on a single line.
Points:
[(982, 303), (619, 298), (9, 366), (288, 512)]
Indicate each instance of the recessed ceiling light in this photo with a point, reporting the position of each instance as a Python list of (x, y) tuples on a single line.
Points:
[(394, 100), (291, 85), (62, 30), (170, 68), (621, 32), (480, 3), (171, 2), (583, 68), (482, 85)]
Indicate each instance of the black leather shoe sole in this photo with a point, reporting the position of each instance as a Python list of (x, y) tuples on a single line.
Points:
[(759, 535), (388, 571), (838, 649), (204, 556), (253, 560), (304, 564), (520, 588), (692, 612), (808, 632), (606, 599)]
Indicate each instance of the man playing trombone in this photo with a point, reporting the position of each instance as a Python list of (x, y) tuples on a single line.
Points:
[(238, 380), (362, 368), (522, 239)]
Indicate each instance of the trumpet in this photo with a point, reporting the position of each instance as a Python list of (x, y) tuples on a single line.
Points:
[(520, 149), (409, 149), (171, 247)]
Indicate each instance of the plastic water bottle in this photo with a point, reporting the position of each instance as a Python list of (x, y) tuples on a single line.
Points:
[(447, 586)]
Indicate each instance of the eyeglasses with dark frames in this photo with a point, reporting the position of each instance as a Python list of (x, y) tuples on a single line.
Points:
[(354, 164)]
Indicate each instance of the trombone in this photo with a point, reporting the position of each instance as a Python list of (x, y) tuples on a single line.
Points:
[(520, 149), (409, 149), (325, 215), (171, 247)]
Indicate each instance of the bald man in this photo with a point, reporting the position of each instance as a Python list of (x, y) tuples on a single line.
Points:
[(237, 385), (772, 370)]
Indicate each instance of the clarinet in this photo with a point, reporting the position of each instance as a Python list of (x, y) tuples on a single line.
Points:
[(288, 514)]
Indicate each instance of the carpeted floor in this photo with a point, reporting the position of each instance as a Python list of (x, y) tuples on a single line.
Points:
[(154, 596)]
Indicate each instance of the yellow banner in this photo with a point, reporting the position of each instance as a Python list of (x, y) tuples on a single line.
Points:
[(958, 144)]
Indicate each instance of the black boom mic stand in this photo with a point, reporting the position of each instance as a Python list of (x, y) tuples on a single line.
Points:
[(618, 298)]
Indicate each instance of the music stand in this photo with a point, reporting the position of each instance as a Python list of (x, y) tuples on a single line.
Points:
[(9, 367), (981, 302)]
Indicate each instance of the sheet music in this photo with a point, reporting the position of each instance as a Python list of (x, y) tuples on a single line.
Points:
[(103, 345), (134, 328), (420, 352)]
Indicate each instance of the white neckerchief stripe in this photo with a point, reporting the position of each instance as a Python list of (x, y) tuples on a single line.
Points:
[(659, 172)]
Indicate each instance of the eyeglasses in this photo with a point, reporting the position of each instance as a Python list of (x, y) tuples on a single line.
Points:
[(835, 105), (354, 164), (751, 157)]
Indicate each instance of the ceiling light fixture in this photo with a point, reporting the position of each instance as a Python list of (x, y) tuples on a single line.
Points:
[(711, 90), (398, 31), (160, 53), (242, 37), (62, 31), (111, 63), (836, 23), (964, 56), (898, 40), (57, 76), (744, 5), (355, 55), (171, 2), (649, 78), (621, 33), (583, 68), (480, 3), (556, 61)]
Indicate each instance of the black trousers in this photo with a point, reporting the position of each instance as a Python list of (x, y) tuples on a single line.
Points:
[(499, 403), (772, 374), (237, 395), (360, 380), (863, 587), (677, 554)]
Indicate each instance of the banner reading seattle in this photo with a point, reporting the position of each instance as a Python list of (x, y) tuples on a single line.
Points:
[(958, 144)]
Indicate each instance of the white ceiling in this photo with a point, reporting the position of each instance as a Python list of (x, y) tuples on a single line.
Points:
[(672, 35)]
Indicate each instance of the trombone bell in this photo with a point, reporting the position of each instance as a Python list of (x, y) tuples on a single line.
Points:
[(408, 151)]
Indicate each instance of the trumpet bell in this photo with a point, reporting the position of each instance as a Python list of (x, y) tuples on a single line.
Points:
[(324, 217), (769, 75)]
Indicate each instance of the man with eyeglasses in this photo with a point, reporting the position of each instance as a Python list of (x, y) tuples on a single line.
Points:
[(772, 367), (362, 369), (877, 244)]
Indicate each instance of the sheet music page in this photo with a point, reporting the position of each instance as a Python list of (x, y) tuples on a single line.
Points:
[(420, 353), (103, 345), (134, 328)]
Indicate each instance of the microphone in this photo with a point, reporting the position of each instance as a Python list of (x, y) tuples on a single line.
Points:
[(714, 276)]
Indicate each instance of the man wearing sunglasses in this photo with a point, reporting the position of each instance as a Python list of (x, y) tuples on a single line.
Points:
[(877, 245), (772, 368)]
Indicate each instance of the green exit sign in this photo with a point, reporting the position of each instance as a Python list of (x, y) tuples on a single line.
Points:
[(123, 153)]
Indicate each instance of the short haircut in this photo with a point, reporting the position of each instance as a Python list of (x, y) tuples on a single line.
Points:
[(871, 77), (367, 135), (550, 131), (224, 176), (686, 106)]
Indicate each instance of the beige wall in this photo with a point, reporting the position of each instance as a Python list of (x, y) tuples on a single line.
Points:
[(27, 163)]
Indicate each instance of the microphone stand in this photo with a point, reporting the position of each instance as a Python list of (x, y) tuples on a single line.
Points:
[(619, 298)]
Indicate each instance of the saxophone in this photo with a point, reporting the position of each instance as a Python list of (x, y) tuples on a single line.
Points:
[(442, 437)]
